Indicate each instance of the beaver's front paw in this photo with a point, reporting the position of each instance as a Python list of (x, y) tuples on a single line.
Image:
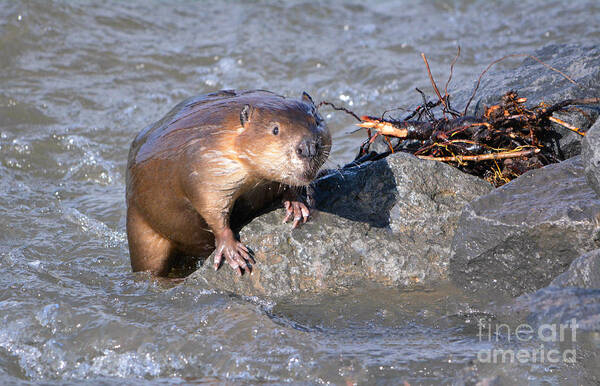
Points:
[(235, 253), (296, 209)]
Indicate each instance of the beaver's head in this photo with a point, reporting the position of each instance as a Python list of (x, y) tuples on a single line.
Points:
[(283, 140)]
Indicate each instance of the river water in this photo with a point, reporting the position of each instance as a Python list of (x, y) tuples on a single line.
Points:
[(79, 79)]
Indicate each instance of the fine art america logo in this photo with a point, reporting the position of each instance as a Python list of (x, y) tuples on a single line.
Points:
[(546, 334)]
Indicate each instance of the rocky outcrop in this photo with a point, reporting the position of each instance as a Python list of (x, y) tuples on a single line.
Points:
[(524, 234), (591, 156), (390, 221)]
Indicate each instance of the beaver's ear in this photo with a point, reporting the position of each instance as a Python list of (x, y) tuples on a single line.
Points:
[(307, 99), (245, 114)]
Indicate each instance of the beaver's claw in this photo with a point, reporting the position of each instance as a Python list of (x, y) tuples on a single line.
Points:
[(235, 253), (296, 209)]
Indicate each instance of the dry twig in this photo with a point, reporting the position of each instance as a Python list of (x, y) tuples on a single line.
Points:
[(482, 157)]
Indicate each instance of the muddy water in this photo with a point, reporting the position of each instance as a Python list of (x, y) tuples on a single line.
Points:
[(79, 79)]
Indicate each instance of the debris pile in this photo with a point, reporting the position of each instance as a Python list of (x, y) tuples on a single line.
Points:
[(505, 142)]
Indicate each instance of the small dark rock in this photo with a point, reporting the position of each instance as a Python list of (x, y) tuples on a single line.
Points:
[(380, 145), (584, 272), (525, 233), (567, 143), (390, 221), (591, 156)]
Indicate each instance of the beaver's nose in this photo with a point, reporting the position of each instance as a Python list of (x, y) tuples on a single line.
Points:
[(308, 148)]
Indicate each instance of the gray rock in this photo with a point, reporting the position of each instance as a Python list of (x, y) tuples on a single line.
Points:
[(525, 233), (584, 272), (556, 305), (390, 221), (567, 143), (538, 83), (573, 295), (574, 315), (381, 146), (591, 156)]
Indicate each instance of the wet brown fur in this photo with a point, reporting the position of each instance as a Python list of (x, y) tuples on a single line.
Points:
[(186, 172)]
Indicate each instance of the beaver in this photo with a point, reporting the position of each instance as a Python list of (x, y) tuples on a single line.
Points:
[(213, 157)]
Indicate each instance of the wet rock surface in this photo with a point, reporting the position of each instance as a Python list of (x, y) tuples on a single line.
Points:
[(561, 305), (524, 234), (584, 272), (573, 295), (389, 222), (539, 83), (591, 156)]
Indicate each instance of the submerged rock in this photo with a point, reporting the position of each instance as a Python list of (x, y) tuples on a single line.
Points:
[(390, 221), (591, 156), (522, 235)]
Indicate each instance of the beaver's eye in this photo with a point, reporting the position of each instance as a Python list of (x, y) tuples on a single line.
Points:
[(276, 130)]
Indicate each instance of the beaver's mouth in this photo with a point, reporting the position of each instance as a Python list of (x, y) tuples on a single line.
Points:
[(308, 176), (310, 171), (301, 176), (308, 167)]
